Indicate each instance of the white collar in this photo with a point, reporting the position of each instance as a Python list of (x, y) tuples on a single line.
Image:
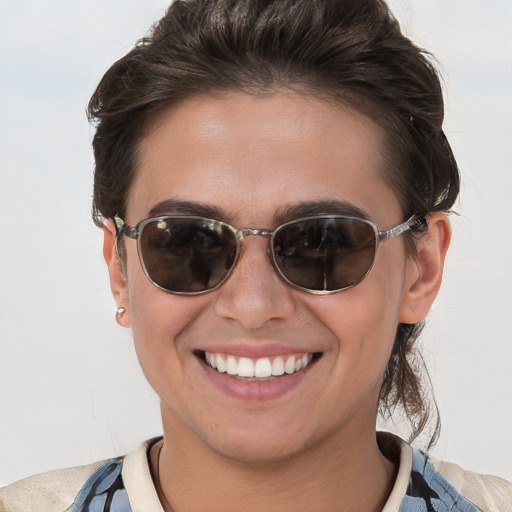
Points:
[(137, 479), (144, 498)]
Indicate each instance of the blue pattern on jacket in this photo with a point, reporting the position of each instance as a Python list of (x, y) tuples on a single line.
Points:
[(104, 491), (428, 491)]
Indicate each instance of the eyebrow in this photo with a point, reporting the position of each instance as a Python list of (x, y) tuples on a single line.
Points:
[(320, 207), (284, 214), (197, 209)]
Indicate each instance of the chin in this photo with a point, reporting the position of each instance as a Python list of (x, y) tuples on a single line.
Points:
[(263, 446), (262, 454)]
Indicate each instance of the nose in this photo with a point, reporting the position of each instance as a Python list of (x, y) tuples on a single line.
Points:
[(255, 293)]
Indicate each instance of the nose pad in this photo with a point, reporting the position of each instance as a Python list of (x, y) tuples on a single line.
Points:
[(255, 265), (254, 292), (243, 236)]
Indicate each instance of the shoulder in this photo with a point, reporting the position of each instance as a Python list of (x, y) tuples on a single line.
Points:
[(488, 493), (425, 483), (449, 487), (47, 492), (117, 485)]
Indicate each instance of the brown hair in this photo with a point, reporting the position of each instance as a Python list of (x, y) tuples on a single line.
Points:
[(349, 51)]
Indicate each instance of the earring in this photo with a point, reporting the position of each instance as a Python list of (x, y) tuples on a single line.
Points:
[(120, 312)]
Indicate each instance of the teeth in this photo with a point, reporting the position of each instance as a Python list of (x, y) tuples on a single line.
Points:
[(231, 365), (278, 366), (220, 364), (245, 367), (289, 366), (262, 368)]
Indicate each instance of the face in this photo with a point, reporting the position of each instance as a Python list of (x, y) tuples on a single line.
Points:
[(253, 162)]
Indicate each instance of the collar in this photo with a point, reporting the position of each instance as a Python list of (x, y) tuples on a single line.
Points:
[(144, 498)]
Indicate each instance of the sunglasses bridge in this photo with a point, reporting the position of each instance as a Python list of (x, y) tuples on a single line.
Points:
[(243, 232)]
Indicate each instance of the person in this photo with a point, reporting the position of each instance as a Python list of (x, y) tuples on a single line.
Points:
[(272, 179)]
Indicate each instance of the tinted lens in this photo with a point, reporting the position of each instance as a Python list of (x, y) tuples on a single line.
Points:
[(325, 254), (187, 255)]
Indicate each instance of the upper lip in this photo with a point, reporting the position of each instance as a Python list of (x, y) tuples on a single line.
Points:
[(256, 350)]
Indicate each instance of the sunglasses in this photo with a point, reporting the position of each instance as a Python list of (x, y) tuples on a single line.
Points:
[(324, 254)]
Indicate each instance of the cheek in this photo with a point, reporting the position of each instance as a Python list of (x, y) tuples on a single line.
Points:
[(158, 320), (364, 320), (363, 325)]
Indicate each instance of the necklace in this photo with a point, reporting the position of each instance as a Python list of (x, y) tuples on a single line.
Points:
[(168, 507)]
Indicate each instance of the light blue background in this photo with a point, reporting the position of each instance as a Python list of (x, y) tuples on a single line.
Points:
[(70, 387)]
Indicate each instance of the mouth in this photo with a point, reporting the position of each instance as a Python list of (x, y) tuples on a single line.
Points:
[(261, 369)]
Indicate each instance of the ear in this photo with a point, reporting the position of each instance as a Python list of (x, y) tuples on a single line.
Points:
[(425, 271), (115, 269)]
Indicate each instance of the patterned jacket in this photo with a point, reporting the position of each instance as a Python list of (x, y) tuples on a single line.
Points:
[(124, 484)]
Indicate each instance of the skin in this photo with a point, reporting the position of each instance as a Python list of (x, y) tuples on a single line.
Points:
[(314, 446)]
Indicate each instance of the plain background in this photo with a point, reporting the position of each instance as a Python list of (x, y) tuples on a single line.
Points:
[(71, 390)]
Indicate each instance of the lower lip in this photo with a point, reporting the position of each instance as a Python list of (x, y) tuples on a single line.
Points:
[(255, 390)]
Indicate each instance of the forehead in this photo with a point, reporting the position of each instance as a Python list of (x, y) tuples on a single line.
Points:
[(253, 155)]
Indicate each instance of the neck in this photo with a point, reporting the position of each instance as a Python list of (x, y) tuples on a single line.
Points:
[(343, 473)]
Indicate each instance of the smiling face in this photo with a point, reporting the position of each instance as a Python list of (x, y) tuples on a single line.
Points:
[(257, 162)]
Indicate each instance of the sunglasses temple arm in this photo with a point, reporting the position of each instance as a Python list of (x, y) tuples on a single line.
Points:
[(393, 232), (124, 229)]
